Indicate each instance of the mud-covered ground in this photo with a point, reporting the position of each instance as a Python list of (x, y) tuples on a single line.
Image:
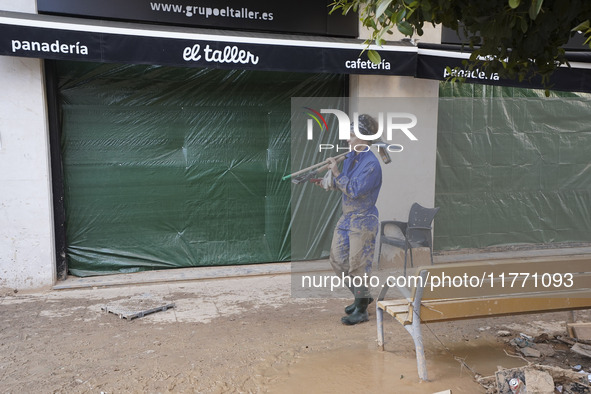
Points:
[(239, 335)]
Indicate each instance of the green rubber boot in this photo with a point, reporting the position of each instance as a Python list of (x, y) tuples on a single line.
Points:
[(351, 308), (359, 314)]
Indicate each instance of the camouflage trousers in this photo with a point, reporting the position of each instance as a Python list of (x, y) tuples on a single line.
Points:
[(352, 250)]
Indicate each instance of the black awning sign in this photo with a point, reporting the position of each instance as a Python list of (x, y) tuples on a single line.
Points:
[(61, 38), (51, 37)]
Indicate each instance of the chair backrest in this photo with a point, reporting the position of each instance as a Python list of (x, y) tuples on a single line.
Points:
[(420, 216)]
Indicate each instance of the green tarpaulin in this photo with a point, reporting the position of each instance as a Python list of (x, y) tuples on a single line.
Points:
[(167, 167), (513, 166)]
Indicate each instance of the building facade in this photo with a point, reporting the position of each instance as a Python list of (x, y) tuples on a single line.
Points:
[(34, 181)]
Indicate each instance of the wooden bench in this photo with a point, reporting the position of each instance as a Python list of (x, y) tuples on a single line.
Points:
[(543, 284)]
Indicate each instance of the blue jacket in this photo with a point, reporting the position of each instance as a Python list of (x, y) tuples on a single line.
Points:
[(360, 181)]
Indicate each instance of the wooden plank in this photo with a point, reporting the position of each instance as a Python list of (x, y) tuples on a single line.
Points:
[(133, 313), (552, 264), (470, 308), (386, 303), (393, 310), (498, 291), (513, 285), (491, 275), (404, 318), (399, 309)]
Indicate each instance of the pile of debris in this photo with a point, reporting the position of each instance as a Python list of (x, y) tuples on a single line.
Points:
[(536, 379), (555, 364)]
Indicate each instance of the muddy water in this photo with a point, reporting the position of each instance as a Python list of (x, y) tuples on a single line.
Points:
[(367, 370), (481, 356)]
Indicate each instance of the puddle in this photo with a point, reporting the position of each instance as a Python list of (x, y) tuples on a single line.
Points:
[(360, 369), (482, 357), (364, 369)]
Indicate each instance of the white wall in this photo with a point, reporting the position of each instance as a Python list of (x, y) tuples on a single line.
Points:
[(26, 223), (410, 177), (29, 6)]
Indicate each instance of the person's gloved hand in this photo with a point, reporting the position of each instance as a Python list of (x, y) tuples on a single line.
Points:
[(327, 181), (333, 166)]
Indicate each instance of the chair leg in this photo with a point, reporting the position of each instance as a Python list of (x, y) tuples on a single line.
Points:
[(405, 252), (380, 325), (431, 251), (379, 255), (411, 260)]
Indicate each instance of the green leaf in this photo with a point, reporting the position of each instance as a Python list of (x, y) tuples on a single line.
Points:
[(582, 27), (512, 23), (382, 6), (405, 28), (374, 56), (524, 25), (514, 3), (534, 9), (400, 15)]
